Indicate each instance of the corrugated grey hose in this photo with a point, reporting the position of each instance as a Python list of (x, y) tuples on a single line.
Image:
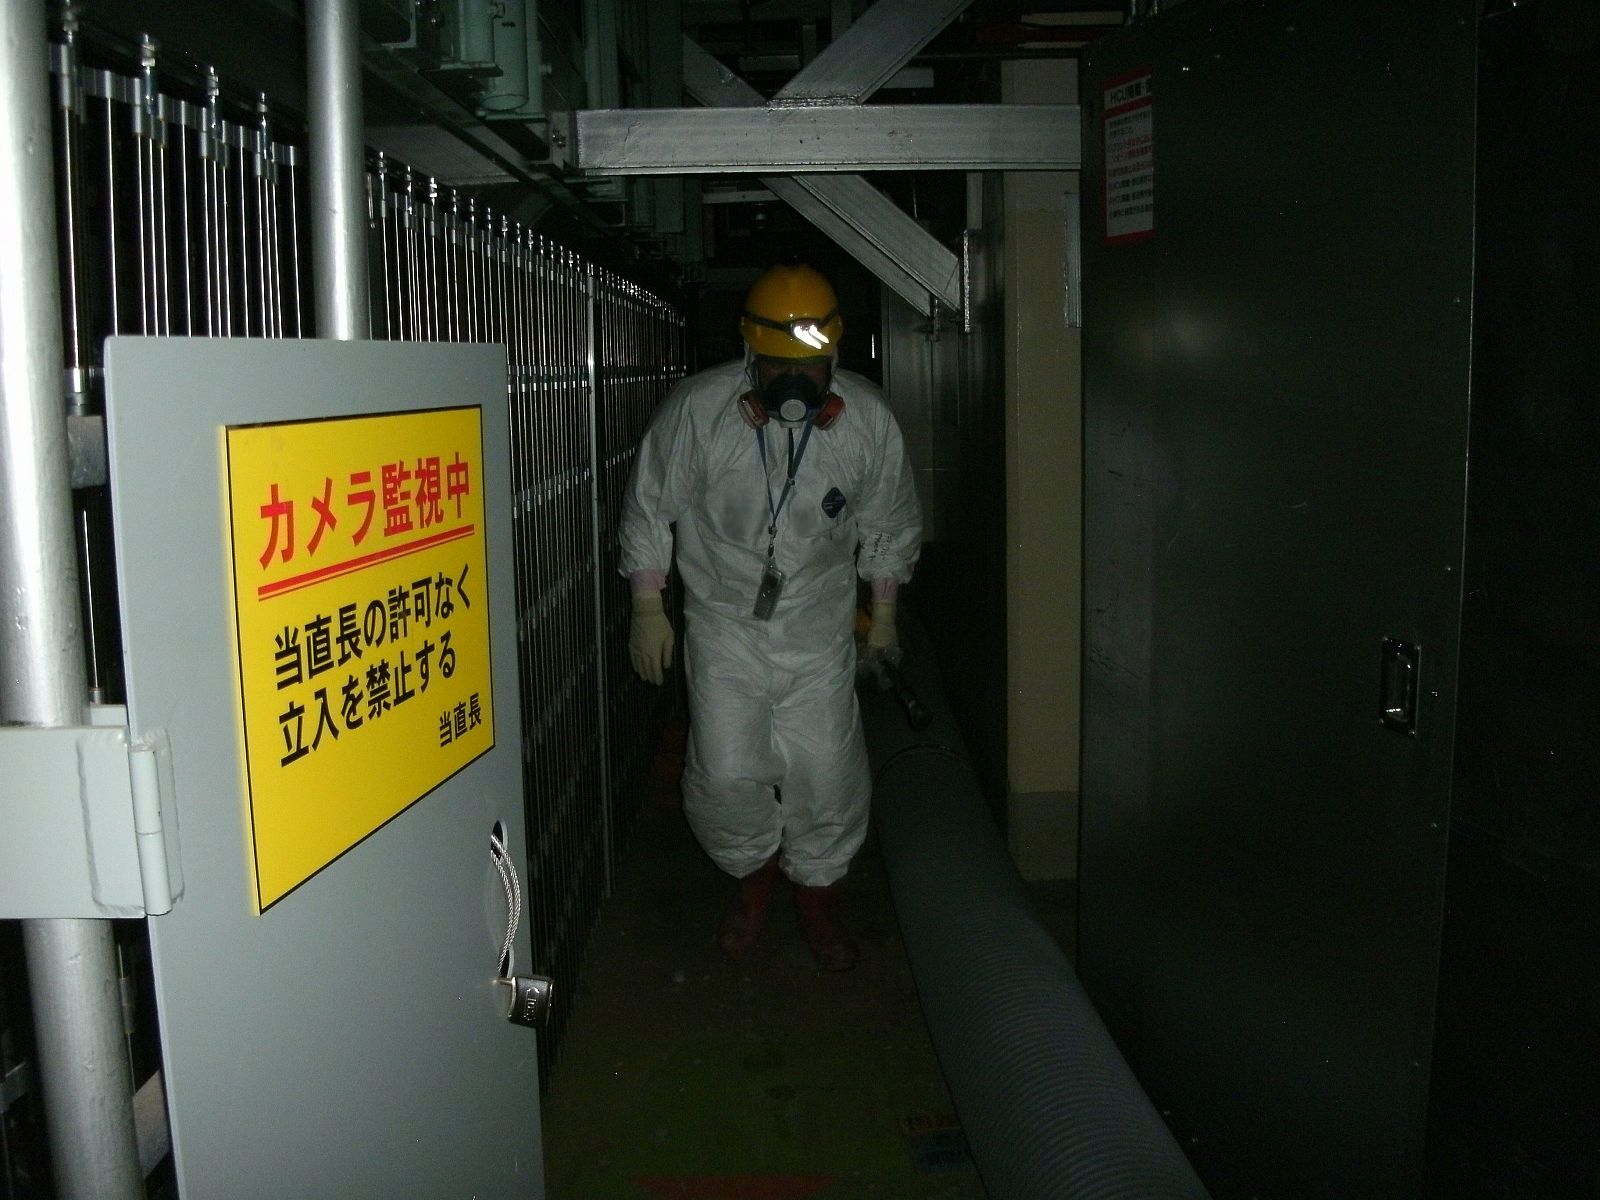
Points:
[(1049, 1107)]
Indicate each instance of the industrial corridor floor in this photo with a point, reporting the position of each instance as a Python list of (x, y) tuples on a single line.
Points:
[(687, 1076)]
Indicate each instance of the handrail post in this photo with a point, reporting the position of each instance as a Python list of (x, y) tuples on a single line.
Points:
[(72, 967), (338, 176)]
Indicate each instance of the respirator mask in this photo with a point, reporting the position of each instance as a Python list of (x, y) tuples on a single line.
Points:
[(791, 398)]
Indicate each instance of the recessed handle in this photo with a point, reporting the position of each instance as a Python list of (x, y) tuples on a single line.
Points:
[(1398, 690)]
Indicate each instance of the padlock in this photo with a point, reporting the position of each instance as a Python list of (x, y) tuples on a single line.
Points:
[(531, 998)]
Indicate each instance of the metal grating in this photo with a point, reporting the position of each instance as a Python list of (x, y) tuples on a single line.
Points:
[(639, 352), (573, 333)]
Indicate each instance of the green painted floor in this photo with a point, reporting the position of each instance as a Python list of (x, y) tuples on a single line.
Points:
[(685, 1075)]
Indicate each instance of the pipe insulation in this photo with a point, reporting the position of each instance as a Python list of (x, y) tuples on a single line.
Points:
[(1050, 1109)]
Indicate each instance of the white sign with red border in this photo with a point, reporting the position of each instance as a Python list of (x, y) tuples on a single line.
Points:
[(1130, 171)]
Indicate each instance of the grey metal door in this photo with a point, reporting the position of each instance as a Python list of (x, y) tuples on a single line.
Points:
[(1278, 291), (330, 1025)]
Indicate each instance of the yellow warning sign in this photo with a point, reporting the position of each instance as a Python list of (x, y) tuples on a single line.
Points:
[(361, 592)]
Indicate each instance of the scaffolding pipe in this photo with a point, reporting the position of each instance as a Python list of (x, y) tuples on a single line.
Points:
[(72, 968), (591, 293), (1049, 1107), (338, 178)]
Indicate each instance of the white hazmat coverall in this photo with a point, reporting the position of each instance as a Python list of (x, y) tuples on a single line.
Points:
[(772, 702)]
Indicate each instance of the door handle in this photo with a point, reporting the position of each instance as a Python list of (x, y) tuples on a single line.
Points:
[(1398, 689)]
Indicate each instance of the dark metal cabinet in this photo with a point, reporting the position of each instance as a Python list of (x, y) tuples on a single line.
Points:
[(1340, 888), (1514, 1106), (1277, 414)]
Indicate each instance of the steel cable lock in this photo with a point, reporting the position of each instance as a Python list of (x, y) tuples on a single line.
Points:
[(531, 995)]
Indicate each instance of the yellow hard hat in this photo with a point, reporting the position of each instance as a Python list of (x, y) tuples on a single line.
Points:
[(792, 313)]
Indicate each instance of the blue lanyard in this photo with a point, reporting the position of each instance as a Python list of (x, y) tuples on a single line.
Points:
[(788, 486)]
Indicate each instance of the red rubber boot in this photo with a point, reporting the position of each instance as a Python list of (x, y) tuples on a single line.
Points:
[(748, 913), (831, 945)]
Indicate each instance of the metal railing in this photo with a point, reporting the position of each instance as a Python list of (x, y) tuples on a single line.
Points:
[(588, 355)]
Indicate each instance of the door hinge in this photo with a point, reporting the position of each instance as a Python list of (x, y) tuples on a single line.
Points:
[(90, 826)]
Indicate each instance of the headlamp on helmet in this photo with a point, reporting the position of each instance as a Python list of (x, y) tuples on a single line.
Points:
[(792, 313)]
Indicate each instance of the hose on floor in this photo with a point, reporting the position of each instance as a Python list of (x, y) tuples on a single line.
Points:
[(1050, 1109)]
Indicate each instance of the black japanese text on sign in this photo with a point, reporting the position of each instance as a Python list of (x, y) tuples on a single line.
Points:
[(360, 586)]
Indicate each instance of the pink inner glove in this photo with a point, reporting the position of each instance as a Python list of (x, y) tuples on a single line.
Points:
[(647, 581)]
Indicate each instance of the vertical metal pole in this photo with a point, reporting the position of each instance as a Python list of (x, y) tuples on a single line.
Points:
[(571, 614), (338, 196), (69, 179), (113, 253), (87, 517), (408, 229), (222, 221), (206, 119), (517, 358), (591, 294), (291, 183), (266, 228), (243, 192), (433, 238), (544, 584), (72, 967), (185, 266), (261, 167), (380, 202), (156, 131), (470, 254), (452, 269), (143, 133)]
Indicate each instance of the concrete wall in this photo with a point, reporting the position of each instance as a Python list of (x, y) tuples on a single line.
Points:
[(1044, 502)]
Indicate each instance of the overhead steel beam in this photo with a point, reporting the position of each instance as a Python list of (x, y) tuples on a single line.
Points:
[(834, 137), (737, 195), (869, 226), (711, 83), (732, 12), (890, 272), (881, 41)]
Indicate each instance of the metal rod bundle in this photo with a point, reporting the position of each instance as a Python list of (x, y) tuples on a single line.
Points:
[(185, 214), (178, 211), (174, 218), (145, 222), (638, 352)]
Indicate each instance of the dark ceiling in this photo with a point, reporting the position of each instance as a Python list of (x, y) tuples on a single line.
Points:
[(257, 46)]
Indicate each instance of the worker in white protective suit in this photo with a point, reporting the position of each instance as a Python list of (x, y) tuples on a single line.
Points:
[(785, 478)]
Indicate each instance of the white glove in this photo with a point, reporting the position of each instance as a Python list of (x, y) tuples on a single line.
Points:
[(883, 639), (650, 639)]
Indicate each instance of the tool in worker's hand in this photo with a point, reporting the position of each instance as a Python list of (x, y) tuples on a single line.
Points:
[(882, 667), (884, 671), (917, 714)]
